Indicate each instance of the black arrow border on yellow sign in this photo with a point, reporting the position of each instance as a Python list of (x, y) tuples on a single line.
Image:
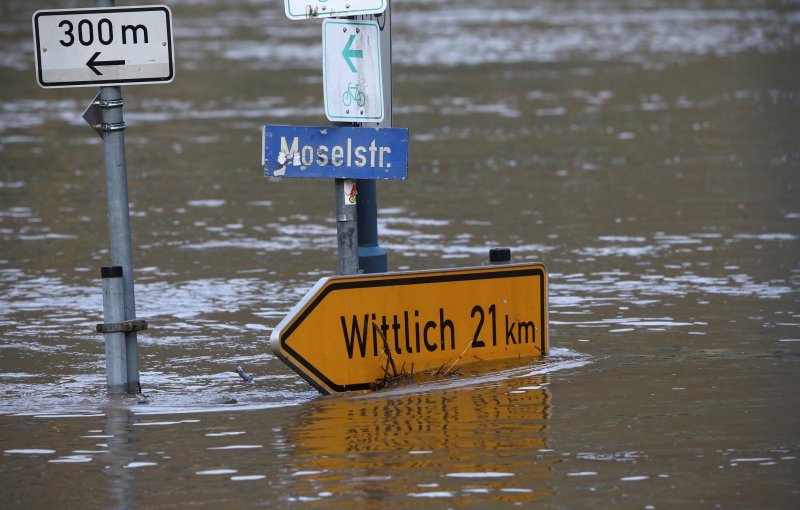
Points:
[(317, 294)]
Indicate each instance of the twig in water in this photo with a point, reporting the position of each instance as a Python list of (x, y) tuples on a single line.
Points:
[(396, 378), (386, 348), (469, 344)]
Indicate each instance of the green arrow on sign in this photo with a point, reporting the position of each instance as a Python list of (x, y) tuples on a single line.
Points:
[(348, 54)]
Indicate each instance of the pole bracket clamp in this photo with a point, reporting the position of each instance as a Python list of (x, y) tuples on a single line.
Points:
[(122, 327), (108, 103), (116, 126)]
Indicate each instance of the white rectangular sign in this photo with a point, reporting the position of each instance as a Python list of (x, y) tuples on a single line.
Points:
[(104, 46), (305, 9), (351, 71)]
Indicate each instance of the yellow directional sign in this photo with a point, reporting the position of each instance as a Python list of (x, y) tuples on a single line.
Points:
[(347, 330)]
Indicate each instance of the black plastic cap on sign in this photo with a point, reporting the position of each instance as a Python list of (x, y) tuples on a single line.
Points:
[(111, 272), (500, 255)]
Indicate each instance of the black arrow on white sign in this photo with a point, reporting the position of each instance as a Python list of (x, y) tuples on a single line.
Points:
[(92, 63)]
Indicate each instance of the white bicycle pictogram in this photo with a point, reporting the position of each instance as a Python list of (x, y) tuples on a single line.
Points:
[(353, 94)]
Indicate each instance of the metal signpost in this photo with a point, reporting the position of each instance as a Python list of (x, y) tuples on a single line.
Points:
[(427, 320), (356, 331), (341, 153), (372, 257), (305, 9), (356, 67), (351, 71), (110, 47), (103, 46)]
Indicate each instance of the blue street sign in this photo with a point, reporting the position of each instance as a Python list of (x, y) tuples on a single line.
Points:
[(335, 152)]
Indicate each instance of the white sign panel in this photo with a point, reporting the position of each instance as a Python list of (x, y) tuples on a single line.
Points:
[(305, 9), (351, 71), (105, 46)]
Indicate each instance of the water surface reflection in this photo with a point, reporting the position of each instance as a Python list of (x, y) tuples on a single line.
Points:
[(469, 439), (467, 444)]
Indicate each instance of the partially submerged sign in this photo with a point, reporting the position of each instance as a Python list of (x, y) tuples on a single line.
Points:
[(105, 46), (335, 152), (305, 9), (351, 71), (340, 336)]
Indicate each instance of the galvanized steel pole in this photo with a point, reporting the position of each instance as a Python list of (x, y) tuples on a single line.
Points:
[(114, 313), (346, 232), (119, 227), (372, 258)]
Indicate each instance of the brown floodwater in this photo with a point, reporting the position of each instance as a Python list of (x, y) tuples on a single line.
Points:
[(647, 152)]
